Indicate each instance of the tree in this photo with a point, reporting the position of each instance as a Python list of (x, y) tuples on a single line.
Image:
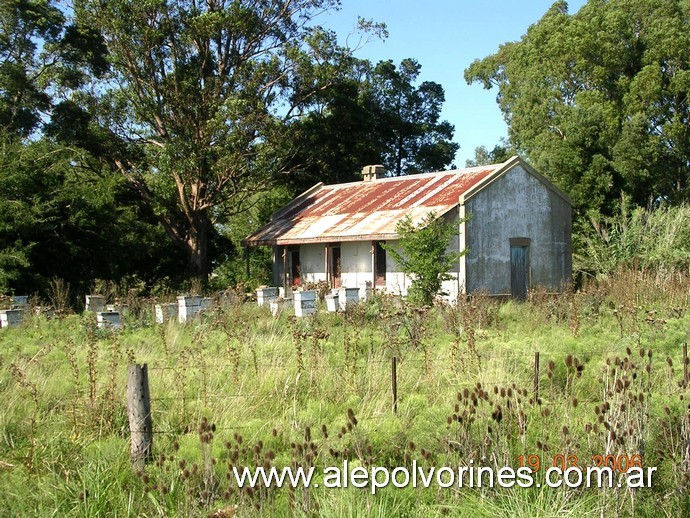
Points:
[(40, 53), (424, 255), (599, 100), (407, 119), (51, 212), (374, 115), (198, 108), (337, 138), (60, 220), (499, 154)]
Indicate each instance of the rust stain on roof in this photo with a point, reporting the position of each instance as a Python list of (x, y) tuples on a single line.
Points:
[(367, 210)]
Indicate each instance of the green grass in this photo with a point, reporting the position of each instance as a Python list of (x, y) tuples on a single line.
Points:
[(66, 451)]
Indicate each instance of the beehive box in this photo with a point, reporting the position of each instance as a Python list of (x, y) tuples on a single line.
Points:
[(332, 302), (10, 317), (109, 320), (95, 303), (165, 312), (19, 301), (305, 302), (348, 296), (266, 295), (123, 309), (188, 306)]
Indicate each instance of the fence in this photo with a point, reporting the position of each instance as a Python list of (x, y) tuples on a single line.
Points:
[(526, 368)]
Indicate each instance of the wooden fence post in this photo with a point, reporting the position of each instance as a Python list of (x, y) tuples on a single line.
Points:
[(139, 411), (536, 376), (685, 363), (394, 377)]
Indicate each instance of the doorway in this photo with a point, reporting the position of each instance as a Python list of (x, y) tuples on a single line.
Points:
[(335, 267), (295, 267), (519, 267), (379, 264)]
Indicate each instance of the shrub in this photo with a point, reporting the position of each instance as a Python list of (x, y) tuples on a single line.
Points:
[(425, 256), (638, 238)]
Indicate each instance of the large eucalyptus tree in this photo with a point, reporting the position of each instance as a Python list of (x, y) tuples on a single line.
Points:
[(199, 104)]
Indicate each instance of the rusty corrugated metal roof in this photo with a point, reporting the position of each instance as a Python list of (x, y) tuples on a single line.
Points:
[(367, 210)]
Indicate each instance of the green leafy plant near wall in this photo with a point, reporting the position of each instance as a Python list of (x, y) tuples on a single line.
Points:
[(424, 255)]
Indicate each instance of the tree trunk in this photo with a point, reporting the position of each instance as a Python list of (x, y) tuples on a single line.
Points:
[(197, 250)]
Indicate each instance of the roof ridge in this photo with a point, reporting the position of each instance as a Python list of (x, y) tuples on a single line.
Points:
[(464, 170)]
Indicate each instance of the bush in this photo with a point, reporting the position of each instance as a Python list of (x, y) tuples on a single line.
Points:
[(637, 238), (425, 256)]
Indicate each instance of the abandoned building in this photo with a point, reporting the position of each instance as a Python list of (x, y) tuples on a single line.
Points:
[(517, 235)]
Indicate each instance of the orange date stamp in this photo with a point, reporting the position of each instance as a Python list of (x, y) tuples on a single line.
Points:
[(620, 463)]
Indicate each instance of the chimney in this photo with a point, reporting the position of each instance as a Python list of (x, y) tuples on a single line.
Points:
[(373, 172)]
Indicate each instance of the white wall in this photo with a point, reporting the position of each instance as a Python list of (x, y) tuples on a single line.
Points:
[(313, 260), (356, 263)]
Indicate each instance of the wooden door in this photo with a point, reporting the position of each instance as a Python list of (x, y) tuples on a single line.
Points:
[(519, 269)]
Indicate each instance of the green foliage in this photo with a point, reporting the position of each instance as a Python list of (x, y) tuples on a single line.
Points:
[(651, 239), (424, 255), (375, 114), (57, 220), (198, 110), (499, 154), (598, 100), (226, 390), (231, 269), (42, 57), (414, 139)]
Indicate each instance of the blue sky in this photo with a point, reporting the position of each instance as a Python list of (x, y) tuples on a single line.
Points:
[(445, 36)]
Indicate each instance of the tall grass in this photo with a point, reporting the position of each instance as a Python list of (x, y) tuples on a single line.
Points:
[(636, 238), (238, 387)]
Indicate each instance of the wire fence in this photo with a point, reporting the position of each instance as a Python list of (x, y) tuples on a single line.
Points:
[(369, 380)]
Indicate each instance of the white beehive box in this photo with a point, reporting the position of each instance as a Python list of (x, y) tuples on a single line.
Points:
[(332, 302), (109, 320), (305, 302), (165, 312), (10, 317), (95, 303), (188, 306), (266, 295), (348, 296)]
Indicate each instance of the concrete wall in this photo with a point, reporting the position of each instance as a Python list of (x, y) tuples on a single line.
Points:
[(517, 205), (313, 259), (356, 264)]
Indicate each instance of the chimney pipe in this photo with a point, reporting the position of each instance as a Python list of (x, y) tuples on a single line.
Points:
[(373, 172)]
